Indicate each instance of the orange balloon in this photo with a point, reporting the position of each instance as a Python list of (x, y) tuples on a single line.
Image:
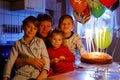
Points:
[(78, 5), (82, 17)]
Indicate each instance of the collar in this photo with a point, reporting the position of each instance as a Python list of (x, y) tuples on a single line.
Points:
[(23, 41), (70, 35)]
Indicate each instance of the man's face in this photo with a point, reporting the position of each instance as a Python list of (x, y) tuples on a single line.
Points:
[(44, 28)]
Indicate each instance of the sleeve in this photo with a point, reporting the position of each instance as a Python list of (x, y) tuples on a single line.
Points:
[(69, 56), (45, 56), (50, 56), (80, 45), (11, 61)]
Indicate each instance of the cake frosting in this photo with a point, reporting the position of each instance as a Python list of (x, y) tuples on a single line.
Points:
[(96, 58)]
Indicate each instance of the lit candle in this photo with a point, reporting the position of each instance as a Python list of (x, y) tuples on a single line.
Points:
[(100, 39), (96, 31), (90, 44), (86, 37), (88, 40), (104, 37)]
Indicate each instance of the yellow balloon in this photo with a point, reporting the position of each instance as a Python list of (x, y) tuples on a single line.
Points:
[(102, 38)]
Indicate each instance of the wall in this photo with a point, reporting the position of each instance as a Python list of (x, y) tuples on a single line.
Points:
[(56, 7), (117, 19), (12, 19)]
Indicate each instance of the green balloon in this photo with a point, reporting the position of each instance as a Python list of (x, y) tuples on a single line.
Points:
[(98, 10), (103, 38)]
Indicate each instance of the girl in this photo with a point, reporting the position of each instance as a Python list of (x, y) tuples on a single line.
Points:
[(72, 40), (61, 58)]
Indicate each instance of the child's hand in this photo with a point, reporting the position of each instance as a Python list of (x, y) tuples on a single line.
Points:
[(56, 60), (62, 58)]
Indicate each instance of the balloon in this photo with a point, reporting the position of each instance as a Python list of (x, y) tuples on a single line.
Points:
[(78, 5), (107, 3), (102, 38), (82, 17), (114, 6), (98, 10)]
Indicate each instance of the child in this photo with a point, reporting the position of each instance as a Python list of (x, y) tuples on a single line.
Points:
[(60, 56), (28, 47), (72, 40)]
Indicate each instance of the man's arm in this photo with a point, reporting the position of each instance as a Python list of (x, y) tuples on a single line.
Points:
[(42, 75), (5, 78), (35, 62), (21, 62)]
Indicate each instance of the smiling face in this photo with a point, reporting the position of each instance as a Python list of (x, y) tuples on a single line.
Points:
[(44, 28), (30, 30), (30, 27), (66, 25), (56, 40)]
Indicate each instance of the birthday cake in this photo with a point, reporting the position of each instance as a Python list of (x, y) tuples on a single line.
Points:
[(96, 58)]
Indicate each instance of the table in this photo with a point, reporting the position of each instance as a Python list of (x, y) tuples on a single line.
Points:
[(91, 72)]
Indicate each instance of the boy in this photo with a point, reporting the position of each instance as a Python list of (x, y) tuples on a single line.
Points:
[(28, 47)]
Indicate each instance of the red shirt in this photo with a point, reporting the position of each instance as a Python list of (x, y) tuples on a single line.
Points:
[(62, 66)]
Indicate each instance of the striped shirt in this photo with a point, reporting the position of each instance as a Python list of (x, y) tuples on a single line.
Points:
[(74, 42)]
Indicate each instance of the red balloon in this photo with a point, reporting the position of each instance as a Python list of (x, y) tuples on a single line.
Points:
[(107, 3), (82, 17), (78, 5)]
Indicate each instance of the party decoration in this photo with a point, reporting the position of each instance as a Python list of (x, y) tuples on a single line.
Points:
[(82, 17), (102, 38), (107, 3), (98, 10), (78, 5)]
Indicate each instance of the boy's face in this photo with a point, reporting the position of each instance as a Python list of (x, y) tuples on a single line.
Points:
[(44, 28), (30, 30), (66, 25), (56, 40)]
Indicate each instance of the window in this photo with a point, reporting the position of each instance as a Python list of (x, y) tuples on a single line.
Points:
[(106, 20)]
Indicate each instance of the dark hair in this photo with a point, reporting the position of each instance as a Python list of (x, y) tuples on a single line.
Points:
[(30, 19), (44, 17), (64, 17)]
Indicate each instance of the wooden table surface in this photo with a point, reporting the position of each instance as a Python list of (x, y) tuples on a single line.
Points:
[(91, 72)]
